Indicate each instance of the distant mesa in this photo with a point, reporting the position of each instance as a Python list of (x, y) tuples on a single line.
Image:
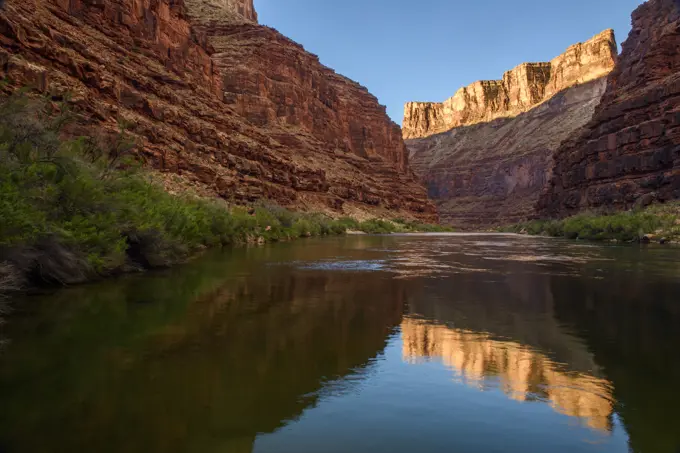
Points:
[(485, 154), (520, 89)]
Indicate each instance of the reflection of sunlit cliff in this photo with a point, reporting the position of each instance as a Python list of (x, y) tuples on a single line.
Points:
[(523, 374)]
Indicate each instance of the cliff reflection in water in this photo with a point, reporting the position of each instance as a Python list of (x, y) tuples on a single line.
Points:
[(521, 373), (200, 359), (295, 348)]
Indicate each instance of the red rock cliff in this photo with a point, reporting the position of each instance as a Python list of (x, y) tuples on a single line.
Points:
[(230, 107), (630, 150), (492, 169), (520, 90)]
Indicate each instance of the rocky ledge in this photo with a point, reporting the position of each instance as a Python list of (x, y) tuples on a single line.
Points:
[(629, 153), (216, 101)]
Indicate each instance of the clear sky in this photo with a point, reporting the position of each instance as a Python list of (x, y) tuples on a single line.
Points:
[(424, 50)]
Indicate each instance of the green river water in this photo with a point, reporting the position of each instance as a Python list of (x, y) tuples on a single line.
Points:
[(431, 343)]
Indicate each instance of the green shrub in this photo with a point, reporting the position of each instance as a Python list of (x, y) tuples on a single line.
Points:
[(622, 226), (376, 226), (405, 226), (75, 209), (349, 223)]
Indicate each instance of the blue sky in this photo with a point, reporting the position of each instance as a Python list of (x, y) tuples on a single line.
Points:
[(405, 50)]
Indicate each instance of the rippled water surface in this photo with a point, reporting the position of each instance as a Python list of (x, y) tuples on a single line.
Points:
[(457, 343)]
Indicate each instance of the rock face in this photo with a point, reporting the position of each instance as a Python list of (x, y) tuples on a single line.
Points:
[(217, 102), (521, 89), (491, 171), (223, 10), (630, 150)]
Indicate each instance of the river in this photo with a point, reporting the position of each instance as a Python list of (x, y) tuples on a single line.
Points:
[(430, 343)]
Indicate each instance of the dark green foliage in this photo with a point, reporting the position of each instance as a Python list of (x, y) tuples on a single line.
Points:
[(416, 227), (349, 223), (627, 226), (376, 226), (75, 209)]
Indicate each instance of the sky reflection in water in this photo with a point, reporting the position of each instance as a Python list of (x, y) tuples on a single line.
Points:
[(400, 343)]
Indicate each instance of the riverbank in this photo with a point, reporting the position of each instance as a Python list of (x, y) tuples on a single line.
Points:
[(82, 209), (656, 223)]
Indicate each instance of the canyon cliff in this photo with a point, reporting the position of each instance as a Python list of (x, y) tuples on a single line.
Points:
[(520, 90), (629, 153), (485, 154), (219, 104)]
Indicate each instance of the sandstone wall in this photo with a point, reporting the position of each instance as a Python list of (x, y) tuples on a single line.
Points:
[(492, 173), (630, 151), (218, 103), (492, 167), (273, 81), (521, 89), (222, 10)]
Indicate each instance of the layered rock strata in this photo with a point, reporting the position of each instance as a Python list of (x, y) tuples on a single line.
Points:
[(629, 153), (492, 173), (217, 102), (487, 171), (521, 89)]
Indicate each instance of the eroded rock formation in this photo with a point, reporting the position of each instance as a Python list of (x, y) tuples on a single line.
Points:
[(630, 151), (521, 89), (219, 103), (488, 171)]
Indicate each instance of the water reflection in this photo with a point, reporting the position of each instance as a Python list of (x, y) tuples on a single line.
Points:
[(199, 360), (356, 344), (521, 373)]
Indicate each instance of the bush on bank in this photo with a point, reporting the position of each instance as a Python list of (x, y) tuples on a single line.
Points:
[(380, 226), (74, 210), (657, 221)]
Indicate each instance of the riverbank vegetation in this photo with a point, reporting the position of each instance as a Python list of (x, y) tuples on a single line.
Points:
[(79, 209), (379, 226), (658, 223)]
